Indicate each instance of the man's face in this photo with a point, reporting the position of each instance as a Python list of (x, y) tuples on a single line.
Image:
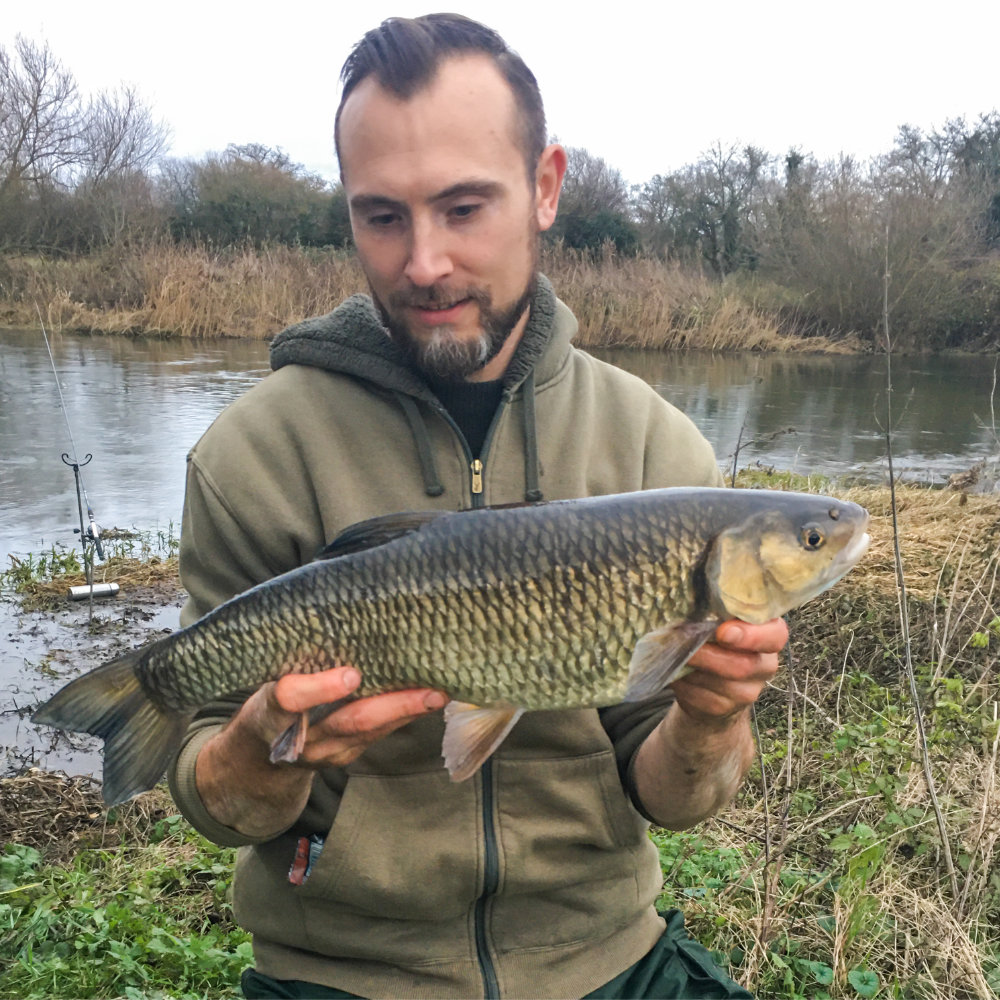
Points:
[(445, 220)]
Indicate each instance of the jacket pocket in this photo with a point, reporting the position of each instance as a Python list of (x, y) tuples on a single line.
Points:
[(580, 858), (399, 844)]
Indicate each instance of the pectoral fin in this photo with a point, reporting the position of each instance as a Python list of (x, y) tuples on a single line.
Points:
[(287, 747), (661, 656), (472, 733)]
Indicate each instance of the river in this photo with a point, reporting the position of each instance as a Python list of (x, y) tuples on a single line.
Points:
[(137, 406)]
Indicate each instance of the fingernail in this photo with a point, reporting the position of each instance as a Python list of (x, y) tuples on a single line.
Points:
[(435, 700), (351, 678), (732, 635)]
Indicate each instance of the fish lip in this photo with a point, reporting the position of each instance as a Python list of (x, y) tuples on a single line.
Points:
[(855, 549), (848, 557)]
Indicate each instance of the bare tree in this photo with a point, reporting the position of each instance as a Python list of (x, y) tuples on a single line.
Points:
[(591, 185), (40, 122), (119, 136)]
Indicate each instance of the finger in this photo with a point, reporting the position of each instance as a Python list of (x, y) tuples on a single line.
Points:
[(298, 692), (379, 712), (770, 637), (345, 735), (727, 664), (339, 750), (721, 691)]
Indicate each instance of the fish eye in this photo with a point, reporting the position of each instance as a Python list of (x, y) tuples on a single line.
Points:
[(811, 537)]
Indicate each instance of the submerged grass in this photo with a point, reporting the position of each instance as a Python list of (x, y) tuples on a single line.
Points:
[(824, 879), (133, 559), (184, 291)]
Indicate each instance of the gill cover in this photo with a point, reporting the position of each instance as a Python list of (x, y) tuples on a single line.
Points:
[(774, 561)]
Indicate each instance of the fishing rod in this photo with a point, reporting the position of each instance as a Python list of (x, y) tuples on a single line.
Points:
[(91, 533)]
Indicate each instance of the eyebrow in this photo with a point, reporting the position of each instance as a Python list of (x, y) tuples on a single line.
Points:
[(479, 188)]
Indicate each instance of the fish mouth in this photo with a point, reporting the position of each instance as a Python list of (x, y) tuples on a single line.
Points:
[(849, 556)]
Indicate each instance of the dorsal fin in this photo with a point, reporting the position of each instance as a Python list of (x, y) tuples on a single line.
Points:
[(378, 531)]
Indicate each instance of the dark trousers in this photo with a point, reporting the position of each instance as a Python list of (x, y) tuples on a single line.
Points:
[(677, 968)]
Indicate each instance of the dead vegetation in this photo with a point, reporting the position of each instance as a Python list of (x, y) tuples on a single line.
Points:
[(826, 877), (192, 291), (130, 573), (61, 816)]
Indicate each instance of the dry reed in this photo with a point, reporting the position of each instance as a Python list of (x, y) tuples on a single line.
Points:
[(60, 816), (186, 291)]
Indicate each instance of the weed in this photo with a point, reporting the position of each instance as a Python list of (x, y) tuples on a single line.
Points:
[(146, 920), (132, 558), (41, 568)]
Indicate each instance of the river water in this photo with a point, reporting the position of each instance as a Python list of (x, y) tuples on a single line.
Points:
[(138, 405)]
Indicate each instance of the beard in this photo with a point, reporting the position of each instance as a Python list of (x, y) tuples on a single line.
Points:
[(444, 355)]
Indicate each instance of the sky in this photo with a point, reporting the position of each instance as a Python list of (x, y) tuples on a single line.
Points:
[(648, 86)]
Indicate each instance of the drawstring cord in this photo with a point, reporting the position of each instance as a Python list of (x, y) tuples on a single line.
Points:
[(532, 475), (432, 481)]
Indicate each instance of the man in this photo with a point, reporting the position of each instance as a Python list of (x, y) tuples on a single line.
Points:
[(365, 872)]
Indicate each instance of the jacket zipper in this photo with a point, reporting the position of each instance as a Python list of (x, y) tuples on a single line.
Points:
[(491, 880), (491, 856), (477, 469), (477, 476)]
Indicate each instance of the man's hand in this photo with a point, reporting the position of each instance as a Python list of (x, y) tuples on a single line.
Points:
[(242, 789), (695, 759), (731, 670)]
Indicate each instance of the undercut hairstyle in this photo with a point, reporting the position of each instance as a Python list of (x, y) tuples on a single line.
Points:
[(403, 54)]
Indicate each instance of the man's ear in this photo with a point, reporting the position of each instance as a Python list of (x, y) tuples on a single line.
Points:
[(548, 183)]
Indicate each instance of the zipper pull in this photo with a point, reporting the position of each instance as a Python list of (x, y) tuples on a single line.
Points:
[(477, 476)]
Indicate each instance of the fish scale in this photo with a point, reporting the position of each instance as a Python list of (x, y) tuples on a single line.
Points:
[(569, 604)]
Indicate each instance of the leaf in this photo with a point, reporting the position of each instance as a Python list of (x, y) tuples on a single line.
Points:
[(864, 981), (821, 972)]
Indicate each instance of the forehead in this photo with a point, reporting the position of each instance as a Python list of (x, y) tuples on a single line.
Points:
[(464, 120)]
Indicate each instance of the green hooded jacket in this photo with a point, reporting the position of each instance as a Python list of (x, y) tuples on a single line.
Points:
[(535, 878)]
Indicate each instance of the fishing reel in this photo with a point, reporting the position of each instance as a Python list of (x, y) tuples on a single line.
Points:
[(92, 534)]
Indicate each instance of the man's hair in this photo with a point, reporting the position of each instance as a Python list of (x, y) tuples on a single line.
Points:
[(403, 54)]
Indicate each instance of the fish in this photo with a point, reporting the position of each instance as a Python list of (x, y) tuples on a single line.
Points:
[(556, 605)]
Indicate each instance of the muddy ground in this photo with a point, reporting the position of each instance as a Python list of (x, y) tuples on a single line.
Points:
[(42, 650)]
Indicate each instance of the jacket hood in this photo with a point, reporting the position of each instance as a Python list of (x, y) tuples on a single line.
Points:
[(353, 341)]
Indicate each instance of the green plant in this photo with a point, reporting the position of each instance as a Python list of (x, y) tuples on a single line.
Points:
[(41, 568), (147, 920)]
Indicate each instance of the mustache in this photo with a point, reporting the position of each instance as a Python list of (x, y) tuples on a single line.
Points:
[(437, 297)]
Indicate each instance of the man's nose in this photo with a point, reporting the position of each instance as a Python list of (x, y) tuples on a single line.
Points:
[(430, 255)]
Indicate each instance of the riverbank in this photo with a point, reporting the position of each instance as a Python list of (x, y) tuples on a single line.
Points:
[(173, 290), (827, 877)]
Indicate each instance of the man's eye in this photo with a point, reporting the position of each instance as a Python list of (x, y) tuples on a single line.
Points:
[(382, 220), (464, 211)]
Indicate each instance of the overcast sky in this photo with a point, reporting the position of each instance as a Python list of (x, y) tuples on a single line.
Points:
[(648, 86)]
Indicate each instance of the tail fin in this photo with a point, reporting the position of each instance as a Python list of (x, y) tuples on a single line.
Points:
[(139, 736)]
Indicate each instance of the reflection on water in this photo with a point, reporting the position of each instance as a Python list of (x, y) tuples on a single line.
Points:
[(826, 415), (138, 405)]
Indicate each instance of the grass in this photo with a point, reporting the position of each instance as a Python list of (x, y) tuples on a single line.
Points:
[(138, 910), (824, 879), (184, 291), (133, 559)]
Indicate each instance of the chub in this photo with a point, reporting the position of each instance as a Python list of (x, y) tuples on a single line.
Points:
[(568, 604)]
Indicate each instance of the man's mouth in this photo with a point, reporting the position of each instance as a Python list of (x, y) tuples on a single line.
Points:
[(439, 312)]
